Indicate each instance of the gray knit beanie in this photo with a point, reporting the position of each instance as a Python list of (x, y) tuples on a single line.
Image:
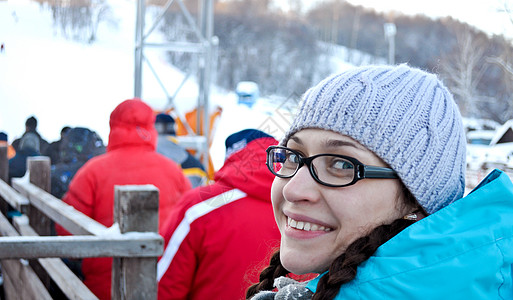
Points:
[(405, 116)]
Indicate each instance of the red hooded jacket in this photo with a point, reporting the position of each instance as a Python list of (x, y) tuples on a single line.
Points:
[(221, 236), (130, 159)]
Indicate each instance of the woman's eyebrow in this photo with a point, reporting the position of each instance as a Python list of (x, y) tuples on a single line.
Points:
[(296, 140), (331, 143)]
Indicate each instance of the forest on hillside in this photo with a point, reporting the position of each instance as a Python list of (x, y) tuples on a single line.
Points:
[(285, 53)]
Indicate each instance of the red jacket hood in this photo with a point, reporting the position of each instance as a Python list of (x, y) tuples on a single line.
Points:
[(132, 124), (247, 171)]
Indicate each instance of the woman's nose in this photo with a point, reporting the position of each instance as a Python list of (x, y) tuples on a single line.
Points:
[(301, 187)]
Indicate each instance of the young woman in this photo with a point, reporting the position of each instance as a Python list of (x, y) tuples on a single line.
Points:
[(368, 193)]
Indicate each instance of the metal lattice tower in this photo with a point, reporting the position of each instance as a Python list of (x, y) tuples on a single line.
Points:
[(203, 48)]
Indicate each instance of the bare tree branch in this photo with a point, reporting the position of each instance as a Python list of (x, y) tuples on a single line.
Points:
[(464, 69), (499, 61)]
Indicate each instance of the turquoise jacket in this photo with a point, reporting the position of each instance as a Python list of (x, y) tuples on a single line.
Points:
[(463, 251)]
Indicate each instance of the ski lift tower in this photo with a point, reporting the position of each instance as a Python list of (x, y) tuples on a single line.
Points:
[(203, 47)]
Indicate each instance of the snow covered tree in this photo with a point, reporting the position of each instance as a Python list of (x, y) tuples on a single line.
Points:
[(79, 19), (464, 68)]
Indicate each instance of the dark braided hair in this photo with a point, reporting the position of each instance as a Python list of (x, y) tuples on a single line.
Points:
[(267, 276), (343, 268)]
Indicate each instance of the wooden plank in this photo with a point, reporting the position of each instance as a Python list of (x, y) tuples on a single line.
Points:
[(66, 215), (10, 291), (21, 277), (38, 168), (66, 280), (39, 171), (6, 228), (24, 281), (21, 224), (14, 199), (145, 244), (135, 209), (133, 244)]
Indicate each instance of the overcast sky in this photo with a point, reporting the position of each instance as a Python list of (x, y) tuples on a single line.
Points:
[(482, 14)]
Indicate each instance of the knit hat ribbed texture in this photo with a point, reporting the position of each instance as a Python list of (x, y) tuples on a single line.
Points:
[(405, 116)]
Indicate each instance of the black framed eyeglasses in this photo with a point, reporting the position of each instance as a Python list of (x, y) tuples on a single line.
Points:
[(331, 170)]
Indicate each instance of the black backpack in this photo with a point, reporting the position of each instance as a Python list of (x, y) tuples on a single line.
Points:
[(77, 146)]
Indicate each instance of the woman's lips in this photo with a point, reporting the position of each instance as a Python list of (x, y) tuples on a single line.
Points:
[(306, 226)]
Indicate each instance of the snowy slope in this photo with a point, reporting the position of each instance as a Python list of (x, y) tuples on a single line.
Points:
[(63, 82)]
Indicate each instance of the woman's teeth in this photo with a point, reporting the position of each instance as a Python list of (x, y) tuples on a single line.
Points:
[(306, 226)]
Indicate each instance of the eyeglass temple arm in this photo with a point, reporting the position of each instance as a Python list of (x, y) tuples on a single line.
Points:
[(379, 172)]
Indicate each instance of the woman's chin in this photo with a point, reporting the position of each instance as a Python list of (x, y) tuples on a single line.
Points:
[(297, 264)]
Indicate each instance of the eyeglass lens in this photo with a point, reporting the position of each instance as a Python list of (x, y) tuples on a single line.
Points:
[(329, 169)]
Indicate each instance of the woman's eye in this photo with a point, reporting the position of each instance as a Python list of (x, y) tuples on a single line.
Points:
[(341, 165), (293, 158)]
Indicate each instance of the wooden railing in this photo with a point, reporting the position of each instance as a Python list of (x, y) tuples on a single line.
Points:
[(27, 247)]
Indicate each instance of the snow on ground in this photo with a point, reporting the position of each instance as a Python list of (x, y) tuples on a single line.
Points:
[(58, 81), (66, 83)]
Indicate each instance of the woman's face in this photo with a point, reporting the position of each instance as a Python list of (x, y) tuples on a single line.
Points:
[(335, 216)]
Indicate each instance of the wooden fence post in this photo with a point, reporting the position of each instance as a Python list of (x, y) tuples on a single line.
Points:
[(39, 170), (4, 163), (4, 175), (136, 209), (39, 175)]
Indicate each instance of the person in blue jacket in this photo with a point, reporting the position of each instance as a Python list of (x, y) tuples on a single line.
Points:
[(368, 195), (28, 146)]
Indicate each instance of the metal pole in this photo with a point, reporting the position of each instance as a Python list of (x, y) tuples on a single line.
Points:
[(206, 27), (390, 31), (139, 47)]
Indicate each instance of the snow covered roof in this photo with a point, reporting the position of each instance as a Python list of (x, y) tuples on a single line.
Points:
[(479, 124), (504, 134), (247, 87)]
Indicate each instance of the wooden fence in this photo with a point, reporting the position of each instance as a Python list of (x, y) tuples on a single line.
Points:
[(30, 255)]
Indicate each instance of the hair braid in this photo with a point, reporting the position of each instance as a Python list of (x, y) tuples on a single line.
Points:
[(343, 268), (267, 276)]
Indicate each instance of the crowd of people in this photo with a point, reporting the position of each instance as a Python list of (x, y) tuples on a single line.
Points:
[(363, 198)]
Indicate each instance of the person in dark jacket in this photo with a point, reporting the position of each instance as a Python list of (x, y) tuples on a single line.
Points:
[(130, 159), (220, 235), (53, 149), (168, 145), (29, 146), (31, 126), (77, 146)]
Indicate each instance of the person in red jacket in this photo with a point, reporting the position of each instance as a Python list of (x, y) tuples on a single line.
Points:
[(130, 159), (220, 236)]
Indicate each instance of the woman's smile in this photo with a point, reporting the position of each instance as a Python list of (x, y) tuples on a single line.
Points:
[(306, 226)]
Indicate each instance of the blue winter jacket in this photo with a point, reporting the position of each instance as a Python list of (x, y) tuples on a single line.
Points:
[(463, 251), (18, 164)]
